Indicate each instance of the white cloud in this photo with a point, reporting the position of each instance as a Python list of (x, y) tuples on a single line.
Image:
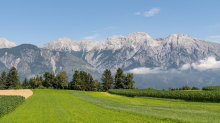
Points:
[(137, 13), (110, 27), (185, 67), (151, 12), (208, 63), (96, 31), (201, 65), (91, 37), (144, 70), (216, 36)]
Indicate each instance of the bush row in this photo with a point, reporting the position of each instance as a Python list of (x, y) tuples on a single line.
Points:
[(210, 96), (10, 103)]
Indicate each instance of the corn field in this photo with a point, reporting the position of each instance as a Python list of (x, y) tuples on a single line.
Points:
[(9, 104), (211, 88), (199, 96)]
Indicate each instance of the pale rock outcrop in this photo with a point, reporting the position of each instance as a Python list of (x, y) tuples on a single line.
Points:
[(4, 43)]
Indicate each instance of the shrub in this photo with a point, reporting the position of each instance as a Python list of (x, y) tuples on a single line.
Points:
[(195, 88)]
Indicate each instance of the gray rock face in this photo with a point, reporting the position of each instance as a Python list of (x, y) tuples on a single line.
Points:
[(4, 43), (67, 45), (138, 50), (31, 61)]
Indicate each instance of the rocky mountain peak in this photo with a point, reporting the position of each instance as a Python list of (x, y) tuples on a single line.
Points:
[(179, 35), (139, 37), (64, 39), (4, 43), (138, 34), (115, 37)]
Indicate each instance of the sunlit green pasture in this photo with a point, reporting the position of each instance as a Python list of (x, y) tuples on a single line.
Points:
[(169, 108), (67, 106), (154, 101)]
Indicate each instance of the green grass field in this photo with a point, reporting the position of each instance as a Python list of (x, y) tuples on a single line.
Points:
[(69, 106), (166, 108), (9, 104)]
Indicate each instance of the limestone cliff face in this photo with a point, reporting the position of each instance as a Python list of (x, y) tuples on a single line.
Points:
[(138, 50), (31, 61)]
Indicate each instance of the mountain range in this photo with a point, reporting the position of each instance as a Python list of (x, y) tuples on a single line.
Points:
[(131, 52), (138, 50)]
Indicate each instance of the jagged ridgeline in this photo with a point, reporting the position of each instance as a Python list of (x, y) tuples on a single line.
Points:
[(138, 49), (31, 61)]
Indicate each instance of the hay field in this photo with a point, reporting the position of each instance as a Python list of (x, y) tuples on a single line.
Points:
[(20, 92)]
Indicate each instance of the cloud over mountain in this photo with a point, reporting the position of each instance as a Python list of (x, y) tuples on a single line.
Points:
[(201, 65)]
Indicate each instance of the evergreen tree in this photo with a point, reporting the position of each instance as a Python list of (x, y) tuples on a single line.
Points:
[(76, 81), (98, 85), (107, 80), (32, 83), (62, 80), (25, 84), (12, 80), (48, 79), (195, 88), (38, 82), (90, 83), (3, 80), (128, 81), (41, 79), (83, 77), (87, 82), (186, 87), (52, 79), (119, 79)]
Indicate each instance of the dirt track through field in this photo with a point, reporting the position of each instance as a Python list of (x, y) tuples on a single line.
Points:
[(21, 92)]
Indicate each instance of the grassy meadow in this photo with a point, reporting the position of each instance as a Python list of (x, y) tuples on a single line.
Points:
[(9, 104), (49, 105)]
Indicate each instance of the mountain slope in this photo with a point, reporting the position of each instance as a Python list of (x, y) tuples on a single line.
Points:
[(138, 50), (31, 61)]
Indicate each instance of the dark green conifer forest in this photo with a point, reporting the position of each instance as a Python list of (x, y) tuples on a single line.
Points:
[(81, 80)]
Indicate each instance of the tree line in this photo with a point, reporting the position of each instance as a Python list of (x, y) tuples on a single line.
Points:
[(81, 80), (186, 87)]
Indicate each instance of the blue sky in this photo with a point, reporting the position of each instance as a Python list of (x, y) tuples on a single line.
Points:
[(41, 21)]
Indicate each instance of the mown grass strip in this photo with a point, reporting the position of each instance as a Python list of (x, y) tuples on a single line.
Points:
[(51, 106), (199, 96), (9, 104), (182, 113), (155, 101)]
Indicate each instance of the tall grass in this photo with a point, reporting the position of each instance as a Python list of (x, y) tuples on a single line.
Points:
[(9, 104)]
